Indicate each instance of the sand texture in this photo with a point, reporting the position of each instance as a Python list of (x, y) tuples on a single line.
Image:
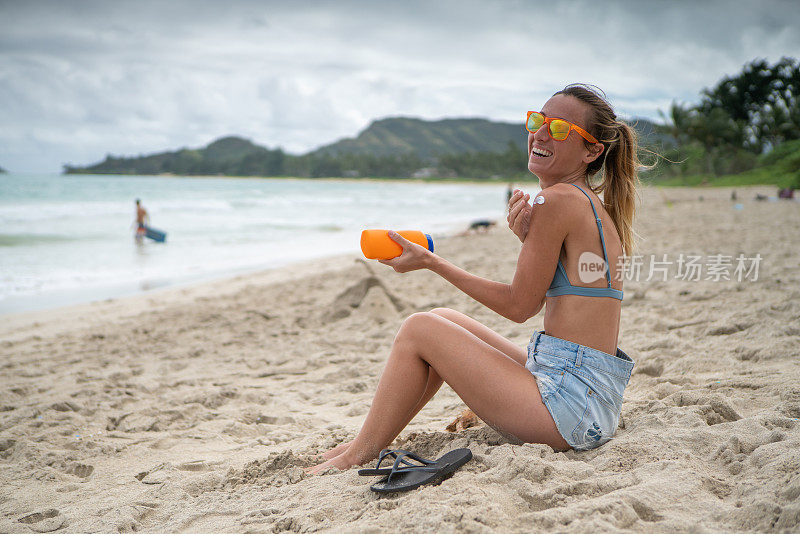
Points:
[(196, 409)]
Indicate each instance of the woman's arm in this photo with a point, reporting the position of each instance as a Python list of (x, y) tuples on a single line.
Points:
[(496, 296), (525, 295)]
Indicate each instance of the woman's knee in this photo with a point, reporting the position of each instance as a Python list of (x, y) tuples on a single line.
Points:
[(417, 324), (447, 313)]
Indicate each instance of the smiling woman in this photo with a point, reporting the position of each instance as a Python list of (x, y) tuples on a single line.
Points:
[(565, 388)]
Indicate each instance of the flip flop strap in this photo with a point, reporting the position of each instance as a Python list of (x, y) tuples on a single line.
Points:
[(400, 457), (385, 453), (397, 468)]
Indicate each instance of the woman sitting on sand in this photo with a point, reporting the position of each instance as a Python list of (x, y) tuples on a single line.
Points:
[(566, 389)]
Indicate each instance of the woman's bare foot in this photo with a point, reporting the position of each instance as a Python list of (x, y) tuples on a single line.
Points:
[(336, 451), (341, 462)]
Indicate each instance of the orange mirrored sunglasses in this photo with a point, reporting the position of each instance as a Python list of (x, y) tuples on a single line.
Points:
[(559, 128)]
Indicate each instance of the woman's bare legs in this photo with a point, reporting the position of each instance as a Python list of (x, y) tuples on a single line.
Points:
[(494, 385), (485, 333)]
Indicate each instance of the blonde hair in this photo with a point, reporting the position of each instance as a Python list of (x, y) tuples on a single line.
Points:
[(620, 161)]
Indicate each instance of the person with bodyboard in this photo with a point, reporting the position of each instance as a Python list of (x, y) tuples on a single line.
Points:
[(142, 226)]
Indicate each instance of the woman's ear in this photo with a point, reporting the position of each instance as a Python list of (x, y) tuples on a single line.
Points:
[(593, 152)]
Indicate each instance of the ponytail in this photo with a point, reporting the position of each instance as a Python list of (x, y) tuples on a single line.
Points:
[(619, 162), (619, 183)]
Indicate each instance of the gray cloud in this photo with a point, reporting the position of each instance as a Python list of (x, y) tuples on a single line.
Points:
[(80, 79)]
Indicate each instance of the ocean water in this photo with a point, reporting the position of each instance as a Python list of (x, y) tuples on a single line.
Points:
[(69, 239)]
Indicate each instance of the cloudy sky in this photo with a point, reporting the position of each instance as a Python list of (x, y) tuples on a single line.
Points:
[(81, 79)]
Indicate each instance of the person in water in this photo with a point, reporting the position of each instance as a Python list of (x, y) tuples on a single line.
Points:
[(142, 219), (565, 388)]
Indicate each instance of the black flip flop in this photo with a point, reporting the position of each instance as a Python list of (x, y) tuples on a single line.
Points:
[(408, 477), (400, 463)]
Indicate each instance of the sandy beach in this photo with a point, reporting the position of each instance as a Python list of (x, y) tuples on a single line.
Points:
[(196, 409)]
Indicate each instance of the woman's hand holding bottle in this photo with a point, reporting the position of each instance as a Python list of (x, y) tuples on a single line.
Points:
[(414, 256)]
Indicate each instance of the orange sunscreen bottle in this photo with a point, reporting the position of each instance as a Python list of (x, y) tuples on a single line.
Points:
[(377, 245)]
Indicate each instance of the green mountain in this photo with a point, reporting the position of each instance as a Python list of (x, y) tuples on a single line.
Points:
[(228, 155), (426, 139), (393, 147)]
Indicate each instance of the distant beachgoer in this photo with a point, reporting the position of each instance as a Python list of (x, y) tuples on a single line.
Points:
[(509, 194), (565, 388), (786, 192), (733, 195), (480, 225), (142, 219)]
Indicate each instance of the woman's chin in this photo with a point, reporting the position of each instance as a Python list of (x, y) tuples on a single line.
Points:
[(535, 166)]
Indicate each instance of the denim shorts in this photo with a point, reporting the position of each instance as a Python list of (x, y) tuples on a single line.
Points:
[(582, 388)]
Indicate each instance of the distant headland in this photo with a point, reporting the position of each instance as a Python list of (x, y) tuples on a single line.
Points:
[(397, 147)]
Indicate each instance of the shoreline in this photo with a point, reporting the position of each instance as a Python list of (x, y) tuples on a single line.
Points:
[(226, 282), (207, 284), (670, 183), (64, 298), (348, 179), (249, 228)]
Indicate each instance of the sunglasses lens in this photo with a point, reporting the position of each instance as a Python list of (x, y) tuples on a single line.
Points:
[(535, 121), (559, 129)]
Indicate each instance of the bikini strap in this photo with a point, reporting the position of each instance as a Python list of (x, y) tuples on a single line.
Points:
[(600, 229)]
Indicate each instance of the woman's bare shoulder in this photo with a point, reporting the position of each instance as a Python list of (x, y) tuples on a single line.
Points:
[(555, 208), (558, 199)]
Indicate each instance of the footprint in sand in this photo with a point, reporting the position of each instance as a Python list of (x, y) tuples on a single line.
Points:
[(745, 353), (357, 410), (356, 387), (654, 368), (727, 329), (81, 470), (714, 409), (66, 406), (46, 521), (734, 453), (157, 475), (7, 447), (274, 420), (195, 465), (791, 409), (723, 411)]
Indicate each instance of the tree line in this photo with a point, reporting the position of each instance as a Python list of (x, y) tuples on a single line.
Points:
[(746, 121), (260, 161)]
